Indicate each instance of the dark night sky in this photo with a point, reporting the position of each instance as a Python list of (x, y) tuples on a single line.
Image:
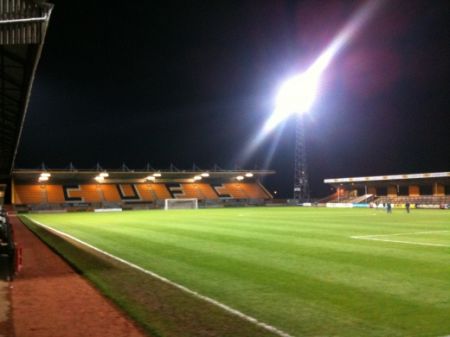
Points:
[(138, 82)]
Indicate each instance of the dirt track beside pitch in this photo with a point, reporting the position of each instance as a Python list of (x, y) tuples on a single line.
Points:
[(49, 299)]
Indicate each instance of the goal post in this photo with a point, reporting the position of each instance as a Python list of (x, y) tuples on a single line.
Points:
[(186, 203)]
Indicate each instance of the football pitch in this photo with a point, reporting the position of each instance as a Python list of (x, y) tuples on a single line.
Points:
[(304, 271)]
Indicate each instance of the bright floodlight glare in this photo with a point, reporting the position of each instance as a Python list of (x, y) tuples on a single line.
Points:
[(249, 174), (104, 174), (205, 174), (239, 178), (157, 174), (197, 178), (298, 93), (41, 178), (99, 178), (295, 96), (150, 178), (45, 174)]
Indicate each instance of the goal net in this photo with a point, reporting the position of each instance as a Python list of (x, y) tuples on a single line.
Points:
[(181, 203)]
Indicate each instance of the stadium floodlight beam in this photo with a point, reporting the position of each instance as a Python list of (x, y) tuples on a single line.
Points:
[(157, 174), (240, 178), (297, 95), (205, 174), (151, 178), (249, 174), (104, 174)]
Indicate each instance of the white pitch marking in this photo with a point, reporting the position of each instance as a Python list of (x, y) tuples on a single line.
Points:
[(225, 307), (400, 241), (376, 237), (413, 233)]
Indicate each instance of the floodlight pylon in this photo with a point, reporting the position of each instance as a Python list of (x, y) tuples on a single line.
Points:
[(301, 177)]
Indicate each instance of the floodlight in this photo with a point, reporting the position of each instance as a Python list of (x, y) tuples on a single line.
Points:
[(295, 96), (41, 178), (240, 178), (197, 178), (157, 174), (99, 178), (152, 178), (205, 174), (45, 174), (249, 174), (104, 174)]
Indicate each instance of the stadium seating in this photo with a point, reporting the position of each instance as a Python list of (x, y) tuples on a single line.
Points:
[(207, 191), (146, 192), (192, 191), (110, 193), (28, 194), (242, 191), (55, 194), (116, 194), (421, 199), (161, 191), (91, 193), (254, 191)]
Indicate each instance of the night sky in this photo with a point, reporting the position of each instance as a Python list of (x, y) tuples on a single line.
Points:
[(194, 82)]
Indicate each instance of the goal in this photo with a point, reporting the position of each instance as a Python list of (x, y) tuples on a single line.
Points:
[(181, 203)]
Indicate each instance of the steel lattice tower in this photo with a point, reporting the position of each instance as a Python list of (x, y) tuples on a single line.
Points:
[(301, 179)]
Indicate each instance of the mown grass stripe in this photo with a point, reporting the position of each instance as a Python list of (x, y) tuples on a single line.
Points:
[(297, 269)]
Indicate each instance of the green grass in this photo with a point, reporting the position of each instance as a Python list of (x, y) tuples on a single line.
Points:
[(296, 269)]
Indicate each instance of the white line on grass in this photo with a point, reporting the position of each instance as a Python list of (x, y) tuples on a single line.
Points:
[(376, 237), (411, 233), (225, 307)]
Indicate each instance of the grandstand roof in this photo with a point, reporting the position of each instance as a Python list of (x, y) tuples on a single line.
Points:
[(23, 25), (392, 179), (130, 176)]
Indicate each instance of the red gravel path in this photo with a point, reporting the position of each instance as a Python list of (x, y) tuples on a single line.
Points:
[(49, 299)]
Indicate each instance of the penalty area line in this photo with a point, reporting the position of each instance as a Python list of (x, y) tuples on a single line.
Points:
[(402, 241), (210, 300), (396, 234)]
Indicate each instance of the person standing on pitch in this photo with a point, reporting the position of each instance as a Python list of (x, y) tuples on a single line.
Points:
[(389, 208), (407, 205)]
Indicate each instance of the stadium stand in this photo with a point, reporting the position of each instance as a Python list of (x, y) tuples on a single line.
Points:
[(73, 189), (424, 199), (55, 195), (432, 189), (97, 193), (242, 191), (110, 193), (207, 191), (254, 191), (29, 194)]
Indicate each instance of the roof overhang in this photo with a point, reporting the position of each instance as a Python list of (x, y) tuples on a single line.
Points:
[(419, 178), (23, 26), (134, 176)]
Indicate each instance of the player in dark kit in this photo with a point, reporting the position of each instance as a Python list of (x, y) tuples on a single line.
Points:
[(389, 207)]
